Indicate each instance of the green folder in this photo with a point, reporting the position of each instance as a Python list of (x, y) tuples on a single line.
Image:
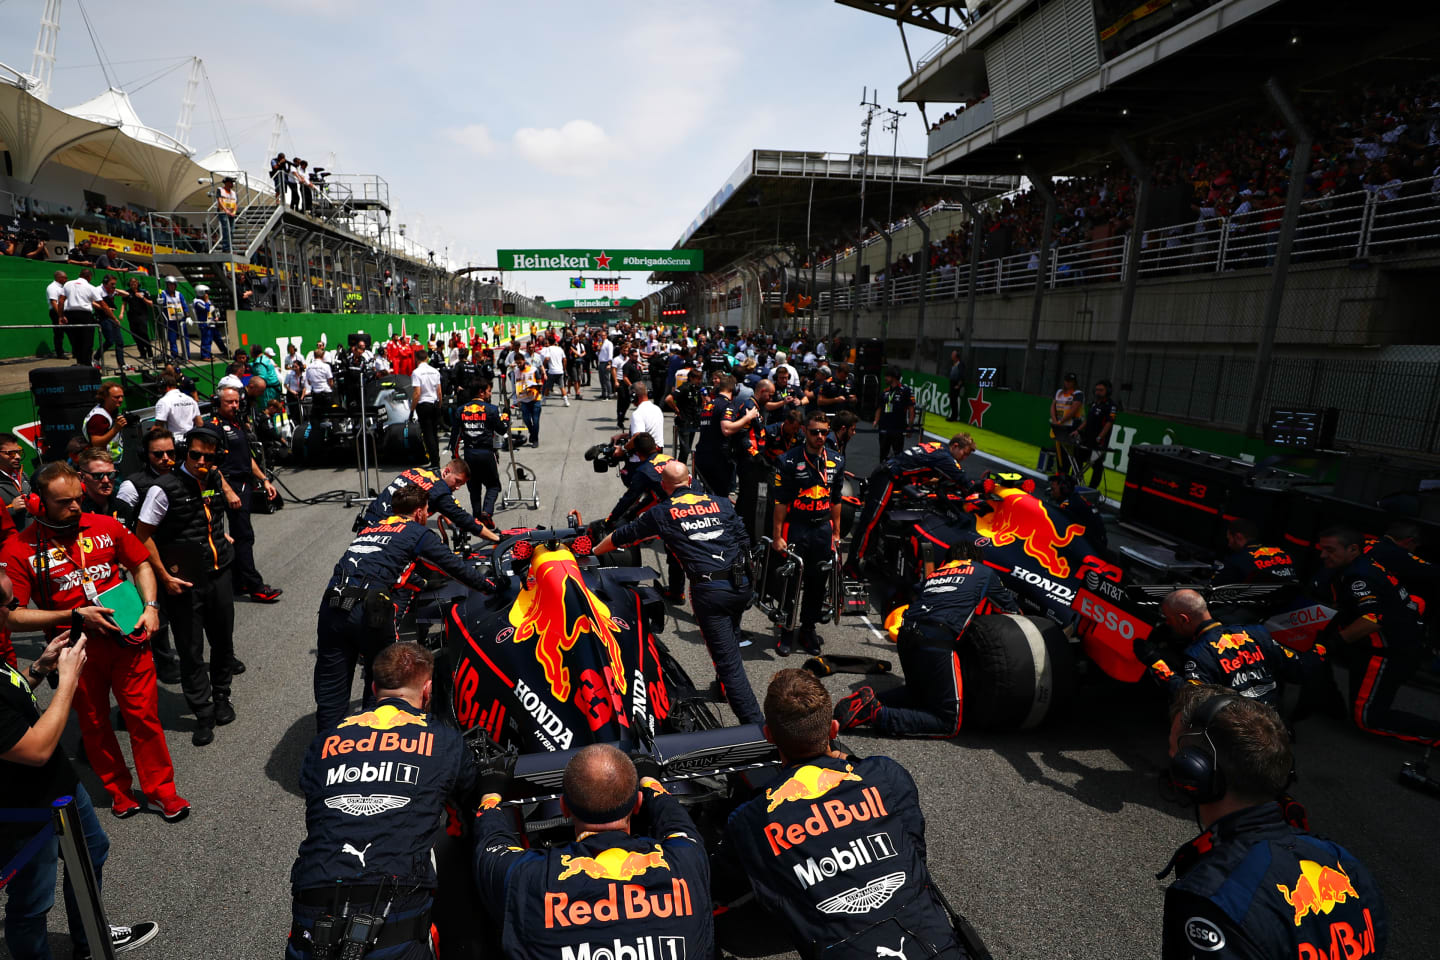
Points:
[(125, 600)]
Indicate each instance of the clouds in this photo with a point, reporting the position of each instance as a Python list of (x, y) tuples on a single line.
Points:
[(474, 137), (577, 149)]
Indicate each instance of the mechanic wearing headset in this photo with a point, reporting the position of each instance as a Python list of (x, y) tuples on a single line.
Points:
[(439, 487), (64, 562), (928, 704), (926, 462), (181, 522), (478, 423), (358, 608), (1252, 886), (809, 482), (835, 849)]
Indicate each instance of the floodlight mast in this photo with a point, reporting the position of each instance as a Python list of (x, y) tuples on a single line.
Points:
[(42, 64)]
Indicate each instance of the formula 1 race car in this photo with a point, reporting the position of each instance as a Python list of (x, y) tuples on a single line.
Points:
[(562, 653), (1060, 579)]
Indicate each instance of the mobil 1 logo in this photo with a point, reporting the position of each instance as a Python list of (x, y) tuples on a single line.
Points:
[(638, 948), (387, 771)]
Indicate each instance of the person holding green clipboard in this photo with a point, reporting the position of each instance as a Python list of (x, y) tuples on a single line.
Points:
[(72, 565)]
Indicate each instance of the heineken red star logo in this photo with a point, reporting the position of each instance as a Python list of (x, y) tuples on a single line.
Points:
[(602, 262), (978, 406)]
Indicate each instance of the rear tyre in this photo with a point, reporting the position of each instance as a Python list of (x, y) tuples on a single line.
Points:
[(1018, 672)]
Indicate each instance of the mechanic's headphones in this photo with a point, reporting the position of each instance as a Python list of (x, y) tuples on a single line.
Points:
[(1195, 771), (34, 505), (215, 437)]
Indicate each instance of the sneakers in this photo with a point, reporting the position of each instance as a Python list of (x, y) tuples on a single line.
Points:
[(204, 734), (265, 593), (860, 707), (123, 939), (175, 809), (224, 712), (567, 401), (124, 807)]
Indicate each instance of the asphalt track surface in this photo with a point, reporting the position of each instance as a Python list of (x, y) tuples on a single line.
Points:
[(1048, 841)]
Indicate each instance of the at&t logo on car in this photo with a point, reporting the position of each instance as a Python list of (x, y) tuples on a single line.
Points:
[(641, 948)]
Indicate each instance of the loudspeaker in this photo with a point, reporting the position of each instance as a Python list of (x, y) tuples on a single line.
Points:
[(63, 395)]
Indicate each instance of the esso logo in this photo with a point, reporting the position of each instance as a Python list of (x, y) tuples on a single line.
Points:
[(1107, 618)]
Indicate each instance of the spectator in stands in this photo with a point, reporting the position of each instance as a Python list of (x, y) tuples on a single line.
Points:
[(227, 204), (139, 308), (82, 301), (301, 171), (81, 254), (176, 410), (55, 298), (280, 176)]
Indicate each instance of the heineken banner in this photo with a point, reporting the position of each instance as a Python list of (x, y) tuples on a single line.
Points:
[(622, 303), (666, 260)]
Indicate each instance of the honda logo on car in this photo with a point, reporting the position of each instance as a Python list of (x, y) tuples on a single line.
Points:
[(1057, 591), (555, 731), (857, 853)]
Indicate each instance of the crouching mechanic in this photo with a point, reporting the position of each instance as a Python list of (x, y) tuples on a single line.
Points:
[(706, 537), (609, 892), (363, 881), (836, 848), (357, 611), (929, 704), (926, 462), (1253, 886), (644, 487), (439, 487), (1243, 658)]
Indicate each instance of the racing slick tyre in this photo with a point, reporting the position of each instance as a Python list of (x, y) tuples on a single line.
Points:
[(401, 443), (1018, 672)]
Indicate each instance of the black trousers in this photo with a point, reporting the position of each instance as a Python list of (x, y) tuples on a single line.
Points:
[(718, 607), (247, 578), (957, 396), (890, 444), (139, 322), (684, 441), (1376, 675), (429, 416), (342, 640), (82, 338), (622, 403), (57, 334), (203, 612), (752, 472), (812, 541), (716, 471), (928, 705), (484, 482)]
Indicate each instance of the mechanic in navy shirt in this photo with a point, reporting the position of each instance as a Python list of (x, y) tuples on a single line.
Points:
[(628, 896), (478, 423), (376, 786), (707, 538), (1250, 561), (926, 462), (835, 848), (439, 487), (358, 608), (1253, 886), (809, 483), (895, 415), (928, 705)]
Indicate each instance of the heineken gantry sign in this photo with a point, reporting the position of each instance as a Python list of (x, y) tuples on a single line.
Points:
[(655, 260)]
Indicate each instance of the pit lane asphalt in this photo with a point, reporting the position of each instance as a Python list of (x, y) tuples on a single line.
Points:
[(1048, 841)]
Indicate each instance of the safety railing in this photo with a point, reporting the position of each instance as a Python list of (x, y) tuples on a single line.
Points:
[(1394, 218)]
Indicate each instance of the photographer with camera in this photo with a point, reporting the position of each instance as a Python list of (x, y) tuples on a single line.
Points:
[(543, 899), (283, 176), (364, 879), (686, 400)]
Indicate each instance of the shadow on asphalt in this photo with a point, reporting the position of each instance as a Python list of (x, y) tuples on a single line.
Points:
[(283, 766)]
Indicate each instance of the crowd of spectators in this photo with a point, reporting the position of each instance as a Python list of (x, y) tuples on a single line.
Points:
[(1382, 141)]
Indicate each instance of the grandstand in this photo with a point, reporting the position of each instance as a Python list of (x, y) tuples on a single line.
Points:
[(1158, 145)]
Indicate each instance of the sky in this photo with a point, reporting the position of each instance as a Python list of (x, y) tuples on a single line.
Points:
[(518, 125)]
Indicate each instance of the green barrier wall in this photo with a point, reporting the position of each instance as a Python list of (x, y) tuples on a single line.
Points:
[(1025, 419), (22, 300), (277, 329)]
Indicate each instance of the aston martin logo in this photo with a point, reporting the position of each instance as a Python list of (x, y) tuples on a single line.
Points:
[(856, 900), (360, 805)]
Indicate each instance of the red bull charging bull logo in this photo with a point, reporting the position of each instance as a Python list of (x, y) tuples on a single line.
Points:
[(809, 783), (384, 717), (616, 863), (554, 610), (1022, 517), (1230, 641), (1318, 889)]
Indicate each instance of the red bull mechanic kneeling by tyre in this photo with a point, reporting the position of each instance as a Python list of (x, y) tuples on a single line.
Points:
[(1253, 886), (609, 892), (376, 785), (929, 703), (836, 848)]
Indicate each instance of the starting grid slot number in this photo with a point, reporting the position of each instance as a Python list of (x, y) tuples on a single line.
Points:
[(985, 376)]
